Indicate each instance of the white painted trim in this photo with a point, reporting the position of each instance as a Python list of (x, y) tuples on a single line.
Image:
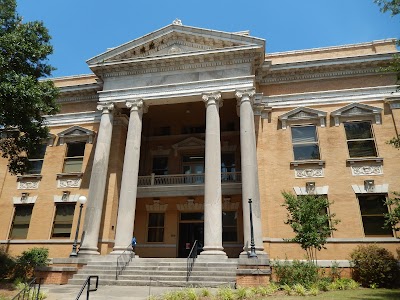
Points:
[(378, 189), (73, 118), (361, 240), (30, 200), (330, 97), (319, 190), (71, 198), (342, 263)]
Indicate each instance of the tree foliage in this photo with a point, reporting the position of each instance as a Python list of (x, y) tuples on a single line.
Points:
[(392, 218), (309, 218), (389, 5), (24, 99)]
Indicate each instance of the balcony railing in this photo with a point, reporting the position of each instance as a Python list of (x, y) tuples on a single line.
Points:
[(178, 179)]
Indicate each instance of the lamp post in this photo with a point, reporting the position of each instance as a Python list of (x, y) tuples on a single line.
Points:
[(82, 200), (252, 245)]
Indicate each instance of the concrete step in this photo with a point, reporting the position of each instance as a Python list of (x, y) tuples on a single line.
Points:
[(162, 273), (152, 282)]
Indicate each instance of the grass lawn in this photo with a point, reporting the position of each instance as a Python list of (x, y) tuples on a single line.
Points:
[(365, 294)]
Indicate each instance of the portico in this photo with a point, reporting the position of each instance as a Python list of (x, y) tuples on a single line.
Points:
[(174, 66)]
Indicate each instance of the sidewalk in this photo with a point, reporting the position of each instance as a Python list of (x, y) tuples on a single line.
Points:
[(69, 292)]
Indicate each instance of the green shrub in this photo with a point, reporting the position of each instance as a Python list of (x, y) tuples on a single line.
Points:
[(29, 260), (296, 272), (373, 265), (7, 264)]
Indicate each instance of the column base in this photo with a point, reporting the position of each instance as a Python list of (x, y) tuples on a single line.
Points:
[(119, 249), (88, 251), (260, 254), (212, 254), (120, 252)]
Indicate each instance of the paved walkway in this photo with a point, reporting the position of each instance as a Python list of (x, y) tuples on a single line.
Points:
[(69, 292)]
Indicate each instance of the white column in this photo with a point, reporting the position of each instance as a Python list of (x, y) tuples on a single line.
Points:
[(250, 189), (212, 188), (98, 181), (127, 199)]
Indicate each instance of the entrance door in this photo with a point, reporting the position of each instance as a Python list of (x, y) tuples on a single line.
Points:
[(191, 228), (188, 233)]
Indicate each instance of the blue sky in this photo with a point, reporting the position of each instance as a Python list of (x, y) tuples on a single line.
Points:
[(82, 29)]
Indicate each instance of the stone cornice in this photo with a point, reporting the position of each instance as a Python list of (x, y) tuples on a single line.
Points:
[(73, 118), (319, 69), (196, 88), (78, 98), (330, 97), (187, 61)]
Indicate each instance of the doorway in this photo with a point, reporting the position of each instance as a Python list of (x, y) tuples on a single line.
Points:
[(191, 228)]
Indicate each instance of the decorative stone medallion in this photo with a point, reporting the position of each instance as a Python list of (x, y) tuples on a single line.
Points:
[(308, 172), (28, 185), (69, 182), (367, 170)]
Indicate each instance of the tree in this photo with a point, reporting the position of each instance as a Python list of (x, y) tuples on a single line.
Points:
[(309, 218), (24, 99), (389, 5), (394, 67), (392, 218)]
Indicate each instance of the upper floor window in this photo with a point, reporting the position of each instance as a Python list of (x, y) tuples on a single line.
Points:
[(360, 139), (21, 221), (305, 142), (36, 160), (74, 157), (160, 165)]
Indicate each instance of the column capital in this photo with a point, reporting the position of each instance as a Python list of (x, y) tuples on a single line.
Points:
[(137, 105), (211, 98), (245, 95), (105, 107)]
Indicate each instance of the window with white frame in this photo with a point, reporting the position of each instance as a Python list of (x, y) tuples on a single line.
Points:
[(155, 231), (360, 139), (74, 157), (63, 219), (373, 208), (305, 142), (36, 160), (21, 221)]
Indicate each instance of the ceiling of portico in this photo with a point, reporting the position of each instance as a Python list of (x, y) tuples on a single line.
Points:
[(175, 41)]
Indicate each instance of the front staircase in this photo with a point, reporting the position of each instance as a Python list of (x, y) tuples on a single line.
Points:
[(160, 272)]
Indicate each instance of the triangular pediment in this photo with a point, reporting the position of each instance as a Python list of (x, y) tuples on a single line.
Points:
[(303, 113), (189, 143), (76, 133), (356, 109), (176, 39)]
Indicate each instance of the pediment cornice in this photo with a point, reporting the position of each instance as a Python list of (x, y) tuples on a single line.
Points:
[(192, 37)]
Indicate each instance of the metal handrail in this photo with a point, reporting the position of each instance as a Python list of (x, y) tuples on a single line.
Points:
[(31, 290), (182, 179), (191, 259), (87, 283), (121, 265)]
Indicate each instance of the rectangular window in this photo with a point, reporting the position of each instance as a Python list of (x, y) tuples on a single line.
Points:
[(373, 208), (63, 220), (305, 142), (36, 160), (228, 167), (229, 226), (156, 227), (74, 159), (20, 224), (360, 139), (160, 165)]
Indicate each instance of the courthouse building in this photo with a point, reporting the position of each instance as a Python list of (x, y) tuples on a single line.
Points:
[(175, 131)]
